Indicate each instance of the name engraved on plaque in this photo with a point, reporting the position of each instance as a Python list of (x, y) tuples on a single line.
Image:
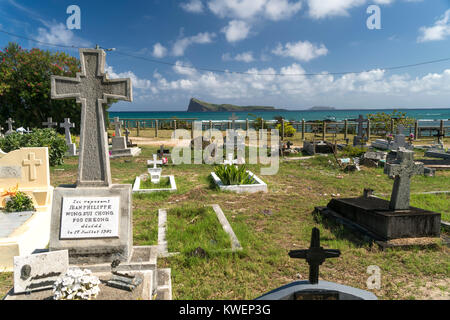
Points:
[(90, 218)]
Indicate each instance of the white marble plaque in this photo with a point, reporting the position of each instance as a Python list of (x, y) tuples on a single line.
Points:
[(39, 271), (90, 218)]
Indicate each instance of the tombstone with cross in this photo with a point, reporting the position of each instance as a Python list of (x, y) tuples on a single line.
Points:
[(10, 127), (155, 172), (402, 170), (359, 138), (233, 119), (67, 125), (108, 239), (118, 142), (50, 124), (127, 139)]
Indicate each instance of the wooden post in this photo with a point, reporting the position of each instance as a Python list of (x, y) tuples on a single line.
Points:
[(192, 129), (442, 130), (156, 128), (282, 129), (138, 127), (345, 129), (368, 130), (324, 131), (416, 129), (303, 129)]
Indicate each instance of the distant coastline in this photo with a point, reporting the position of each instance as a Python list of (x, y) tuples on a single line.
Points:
[(196, 105)]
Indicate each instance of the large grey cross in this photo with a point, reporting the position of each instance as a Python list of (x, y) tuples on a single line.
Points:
[(117, 126), (361, 122), (402, 170), (10, 127), (233, 118), (67, 125), (92, 89), (50, 124)]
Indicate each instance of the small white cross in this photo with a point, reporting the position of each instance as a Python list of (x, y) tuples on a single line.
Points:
[(230, 160), (155, 161)]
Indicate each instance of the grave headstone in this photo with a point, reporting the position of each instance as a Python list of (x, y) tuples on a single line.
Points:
[(119, 144), (67, 125), (389, 220), (358, 139), (155, 172), (50, 124), (10, 127), (92, 219), (39, 271)]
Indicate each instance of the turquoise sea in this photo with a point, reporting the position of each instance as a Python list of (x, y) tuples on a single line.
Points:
[(338, 115)]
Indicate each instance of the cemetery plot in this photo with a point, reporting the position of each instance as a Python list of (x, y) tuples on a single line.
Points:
[(195, 230), (237, 179)]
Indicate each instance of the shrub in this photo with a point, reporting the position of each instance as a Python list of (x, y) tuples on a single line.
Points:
[(56, 143), (289, 130), (353, 152), (19, 203), (233, 175)]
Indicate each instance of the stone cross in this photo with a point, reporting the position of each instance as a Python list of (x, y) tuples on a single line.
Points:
[(32, 162), (360, 122), (402, 170), (67, 125), (233, 118), (315, 256), (117, 125), (50, 124), (92, 89), (10, 127), (155, 161), (127, 134)]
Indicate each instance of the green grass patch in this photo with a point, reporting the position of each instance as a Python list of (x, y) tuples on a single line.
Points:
[(190, 227), (164, 183), (434, 202)]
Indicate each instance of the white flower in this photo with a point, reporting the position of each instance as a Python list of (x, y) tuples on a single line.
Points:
[(76, 284)]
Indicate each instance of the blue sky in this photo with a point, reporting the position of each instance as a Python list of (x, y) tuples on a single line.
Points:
[(273, 42)]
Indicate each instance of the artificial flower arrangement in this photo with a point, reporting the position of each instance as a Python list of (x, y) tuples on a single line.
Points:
[(76, 284)]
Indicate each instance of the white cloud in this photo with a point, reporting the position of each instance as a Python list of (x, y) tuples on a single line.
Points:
[(182, 44), (236, 30), (193, 6), (251, 9), (242, 57), (439, 31), (136, 81), (57, 33), (302, 50), (159, 51)]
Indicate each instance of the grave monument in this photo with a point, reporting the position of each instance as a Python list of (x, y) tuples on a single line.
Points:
[(67, 125), (119, 143)]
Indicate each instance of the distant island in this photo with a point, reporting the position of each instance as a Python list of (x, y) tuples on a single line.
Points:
[(321, 109), (196, 105)]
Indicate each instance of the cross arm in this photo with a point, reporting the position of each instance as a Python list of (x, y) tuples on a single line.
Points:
[(65, 87), (119, 89), (298, 254)]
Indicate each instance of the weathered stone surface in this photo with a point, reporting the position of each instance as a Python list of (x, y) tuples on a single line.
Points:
[(402, 170), (94, 250), (67, 125), (39, 271), (92, 88), (437, 154), (50, 124), (375, 215)]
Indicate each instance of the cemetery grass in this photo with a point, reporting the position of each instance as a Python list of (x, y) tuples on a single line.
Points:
[(269, 225)]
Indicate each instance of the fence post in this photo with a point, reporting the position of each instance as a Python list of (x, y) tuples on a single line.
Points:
[(345, 129), (416, 129), (442, 129), (156, 128), (138, 126), (282, 129), (174, 124), (324, 130), (303, 129), (392, 126), (247, 125), (262, 123), (368, 130)]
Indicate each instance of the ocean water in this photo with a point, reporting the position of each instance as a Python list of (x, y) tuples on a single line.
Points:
[(338, 115)]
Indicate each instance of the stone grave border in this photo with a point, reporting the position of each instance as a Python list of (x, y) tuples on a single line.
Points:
[(137, 185), (162, 231), (245, 188)]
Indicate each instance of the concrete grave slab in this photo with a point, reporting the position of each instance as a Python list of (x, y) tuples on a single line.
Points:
[(259, 186)]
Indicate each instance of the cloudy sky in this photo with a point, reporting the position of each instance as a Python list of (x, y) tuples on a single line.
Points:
[(284, 53)]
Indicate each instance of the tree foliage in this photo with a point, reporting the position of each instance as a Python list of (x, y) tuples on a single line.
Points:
[(381, 122), (25, 87)]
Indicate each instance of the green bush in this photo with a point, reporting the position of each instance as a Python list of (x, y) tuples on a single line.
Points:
[(289, 130), (56, 143), (19, 203), (233, 175), (353, 152)]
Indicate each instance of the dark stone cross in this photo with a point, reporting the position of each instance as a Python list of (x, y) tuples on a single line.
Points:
[(67, 125), (127, 134), (402, 170), (92, 89), (50, 124), (315, 256), (361, 122)]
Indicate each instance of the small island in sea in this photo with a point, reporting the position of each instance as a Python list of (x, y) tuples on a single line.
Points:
[(196, 105), (321, 108)]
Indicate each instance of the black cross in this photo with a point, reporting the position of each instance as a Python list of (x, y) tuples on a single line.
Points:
[(315, 256)]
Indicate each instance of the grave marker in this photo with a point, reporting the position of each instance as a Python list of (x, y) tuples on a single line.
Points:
[(67, 125), (10, 127), (50, 124)]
